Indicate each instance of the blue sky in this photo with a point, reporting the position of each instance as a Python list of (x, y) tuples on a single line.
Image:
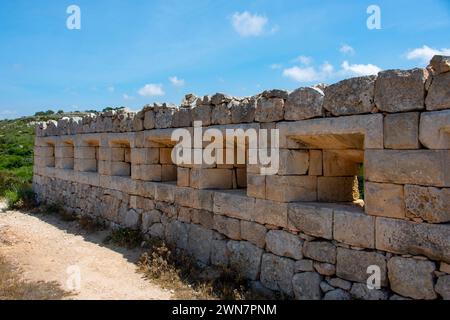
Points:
[(130, 53)]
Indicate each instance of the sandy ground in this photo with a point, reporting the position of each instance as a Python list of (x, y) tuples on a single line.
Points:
[(49, 249)]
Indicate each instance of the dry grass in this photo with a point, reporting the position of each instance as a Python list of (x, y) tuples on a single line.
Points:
[(12, 287), (178, 272)]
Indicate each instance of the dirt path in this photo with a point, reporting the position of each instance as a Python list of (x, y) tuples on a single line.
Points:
[(49, 249)]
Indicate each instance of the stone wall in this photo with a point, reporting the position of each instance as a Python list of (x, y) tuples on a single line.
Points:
[(305, 231)]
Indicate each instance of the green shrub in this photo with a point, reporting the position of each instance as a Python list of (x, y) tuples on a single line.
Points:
[(21, 197)]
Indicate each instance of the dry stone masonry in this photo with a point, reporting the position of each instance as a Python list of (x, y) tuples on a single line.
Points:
[(308, 232)]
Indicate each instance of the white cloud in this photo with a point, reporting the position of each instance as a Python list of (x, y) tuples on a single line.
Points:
[(177, 82), (327, 71), (426, 53), (360, 69), (275, 66), (346, 49), (248, 25), (304, 60), (151, 90), (127, 97)]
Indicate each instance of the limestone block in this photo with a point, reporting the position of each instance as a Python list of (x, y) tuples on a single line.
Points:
[(64, 163), (350, 96), (337, 295), (438, 97), (440, 64), (149, 120), (64, 152), (401, 90), (241, 177), (284, 244), (132, 219), (85, 165), (443, 287), (44, 151), (307, 286), (352, 265), (269, 110), (325, 269), (221, 114), (337, 189), (168, 172), (424, 167), (85, 152), (254, 233), (256, 186), (163, 117), (293, 162), (291, 188), (315, 162), (406, 237), (353, 227), (212, 178), (336, 164), (269, 212), (176, 234), (219, 253), (243, 112), (401, 131), (277, 273), (227, 226), (361, 292), (150, 172), (111, 154), (165, 155), (245, 257), (428, 203), (322, 251), (412, 278), (183, 177), (202, 217), (339, 283), (182, 118), (311, 218), (304, 265), (350, 132), (144, 155), (150, 218), (165, 192), (384, 200), (202, 113), (304, 103), (434, 132), (233, 204), (199, 243), (44, 161)]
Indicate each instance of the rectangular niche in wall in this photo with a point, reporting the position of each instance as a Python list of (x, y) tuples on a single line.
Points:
[(64, 155), (87, 156), (115, 160)]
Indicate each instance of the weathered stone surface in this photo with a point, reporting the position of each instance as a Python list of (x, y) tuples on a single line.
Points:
[(284, 244), (307, 286), (246, 257), (304, 103), (150, 218), (434, 132), (182, 118), (291, 188), (424, 167), (351, 96), (315, 162), (149, 120), (270, 212), (228, 226), (406, 237), (199, 243), (277, 273), (219, 253), (221, 114), (220, 98), (428, 203), (202, 113), (304, 265), (339, 283), (177, 234), (440, 64), (354, 228), (132, 219), (337, 294), (352, 265), (275, 93), (269, 110), (233, 204), (256, 186), (243, 112), (412, 278), (326, 269), (253, 232), (443, 287), (320, 251), (211, 178), (361, 292), (163, 117), (384, 199), (293, 162), (312, 219), (338, 163), (400, 90), (401, 131), (438, 97)]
